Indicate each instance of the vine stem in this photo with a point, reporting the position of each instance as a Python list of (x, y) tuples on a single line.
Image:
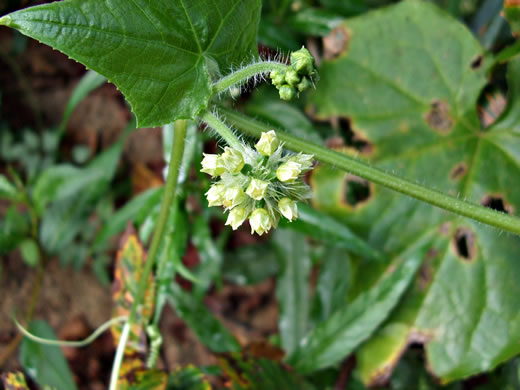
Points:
[(246, 73), (220, 127), (170, 189), (349, 164)]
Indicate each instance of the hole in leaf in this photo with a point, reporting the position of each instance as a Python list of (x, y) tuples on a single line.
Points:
[(464, 241), (439, 117), (477, 62), (458, 171), (491, 104), (336, 43), (357, 191), (498, 203), (352, 138)]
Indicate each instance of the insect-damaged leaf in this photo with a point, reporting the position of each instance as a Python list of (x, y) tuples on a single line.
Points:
[(410, 77), (161, 54), (129, 268)]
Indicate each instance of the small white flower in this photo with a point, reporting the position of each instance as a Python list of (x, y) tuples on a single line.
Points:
[(288, 171), (232, 160), (236, 217), (260, 221), (305, 160), (288, 208), (233, 196), (212, 165), (215, 195), (257, 189), (268, 143)]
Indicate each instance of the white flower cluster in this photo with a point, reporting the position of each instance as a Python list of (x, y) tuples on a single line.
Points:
[(260, 185)]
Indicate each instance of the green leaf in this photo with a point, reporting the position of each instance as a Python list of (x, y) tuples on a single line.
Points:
[(30, 252), (412, 96), (188, 378), (44, 363), (172, 250), (327, 229), (200, 320), (162, 55), (512, 14), (332, 285), (258, 373), (7, 190), (277, 36), (266, 105), (334, 339), (314, 21), (347, 7), (250, 264), (72, 193), (89, 82), (134, 210), (14, 228), (292, 287), (208, 270)]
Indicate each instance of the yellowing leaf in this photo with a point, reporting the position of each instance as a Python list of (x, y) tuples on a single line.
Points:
[(129, 268)]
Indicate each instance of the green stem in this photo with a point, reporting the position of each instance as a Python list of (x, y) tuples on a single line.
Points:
[(373, 174), (220, 127), (168, 197), (244, 74)]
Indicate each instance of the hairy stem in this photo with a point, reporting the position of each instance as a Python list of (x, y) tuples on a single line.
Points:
[(168, 197), (244, 74), (220, 127), (371, 173)]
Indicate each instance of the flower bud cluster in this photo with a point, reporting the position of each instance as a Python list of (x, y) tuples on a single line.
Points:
[(298, 77), (260, 185)]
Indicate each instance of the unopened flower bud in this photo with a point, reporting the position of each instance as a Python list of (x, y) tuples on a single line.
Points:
[(268, 143), (257, 189), (292, 78), (288, 208), (288, 171), (286, 92), (233, 196), (302, 61), (236, 217), (215, 195), (305, 160), (212, 165), (232, 160), (304, 84), (277, 77), (260, 221)]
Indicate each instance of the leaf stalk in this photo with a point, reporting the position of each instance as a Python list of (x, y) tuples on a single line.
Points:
[(247, 72)]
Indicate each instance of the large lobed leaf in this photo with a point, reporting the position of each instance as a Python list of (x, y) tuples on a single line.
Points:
[(161, 54), (407, 81)]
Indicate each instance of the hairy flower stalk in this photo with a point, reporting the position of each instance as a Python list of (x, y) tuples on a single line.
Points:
[(261, 184)]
